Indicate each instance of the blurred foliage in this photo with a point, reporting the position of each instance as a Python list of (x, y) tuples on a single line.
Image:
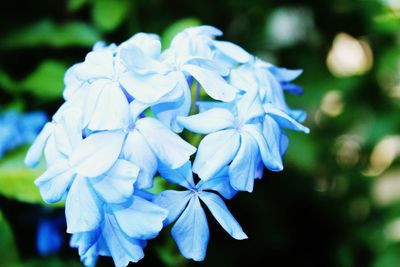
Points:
[(338, 201)]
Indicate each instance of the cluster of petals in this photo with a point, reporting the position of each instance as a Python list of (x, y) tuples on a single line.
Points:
[(120, 126)]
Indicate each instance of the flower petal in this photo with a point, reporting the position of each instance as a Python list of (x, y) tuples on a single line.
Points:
[(33, 156), (137, 150), (191, 232), (220, 183), (268, 143), (97, 153), (116, 186), (213, 84), (242, 170), (170, 149), (283, 119), (182, 176), (233, 51), (215, 151), (139, 218), (55, 181), (82, 207), (210, 121), (173, 201), (221, 213)]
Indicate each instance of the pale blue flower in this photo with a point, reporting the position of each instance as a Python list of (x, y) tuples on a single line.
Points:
[(191, 231)]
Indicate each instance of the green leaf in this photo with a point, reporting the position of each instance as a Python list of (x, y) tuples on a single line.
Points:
[(47, 81), (74, 5), (175, 28), (8, 250), (109, 14), (16, 180), (46, 33), (7, 84)]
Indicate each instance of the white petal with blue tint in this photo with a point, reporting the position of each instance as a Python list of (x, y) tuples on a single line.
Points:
[(171, 149), (34, 153), (268, 143), (182, 176), (283, 119), (191, 232), (210, 121), (82, 207), (221, 213), (139, 218), (213, 84), (215, 151), (97, 153), (139, 152), (242, 170), (233, 51), (173, 201), (55, 181), (116, 186)]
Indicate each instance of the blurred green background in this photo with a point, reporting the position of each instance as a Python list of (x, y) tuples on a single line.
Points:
[(337, 203)]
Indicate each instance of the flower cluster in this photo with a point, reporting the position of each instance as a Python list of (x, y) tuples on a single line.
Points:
[(126, 107), (19, 129)]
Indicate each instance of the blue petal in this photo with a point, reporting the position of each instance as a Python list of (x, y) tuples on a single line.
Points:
[(210, 121), (84, 242), (191, 232), (139, 152), (139, 218), (33, 156), (147, 88), (286, 75), (249, 107), (213, 84), (116, 186), (182, 176), (121, 247), (49, 239), (68, 131), (215, 151), (55, 181), (173, 201), (97, 153), (110, 106), (220, 183), (221, 213), (242, 170), (82, 207), (268, 143), (170, 149), (149, 43), (233, 51), (284, 120)]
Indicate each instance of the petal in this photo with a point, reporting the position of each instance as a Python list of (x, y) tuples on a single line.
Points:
[(215, 151), (82, 207), (33, 156), (149, 43), (170, 149), (97, 153), (147, 88), (121, 247), (68, 131), (55, 181), (220, 183), (286, 75), (233, 51), (137, 151), (135, 59), (283, 119), (213, 84), (221, 213), (139, 218), (249, 107), (182, 176), (173, 201), (268, 143), (210, 121), (111, 109), (191, 232), (98, 64), (116, 186), (242, 170)]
